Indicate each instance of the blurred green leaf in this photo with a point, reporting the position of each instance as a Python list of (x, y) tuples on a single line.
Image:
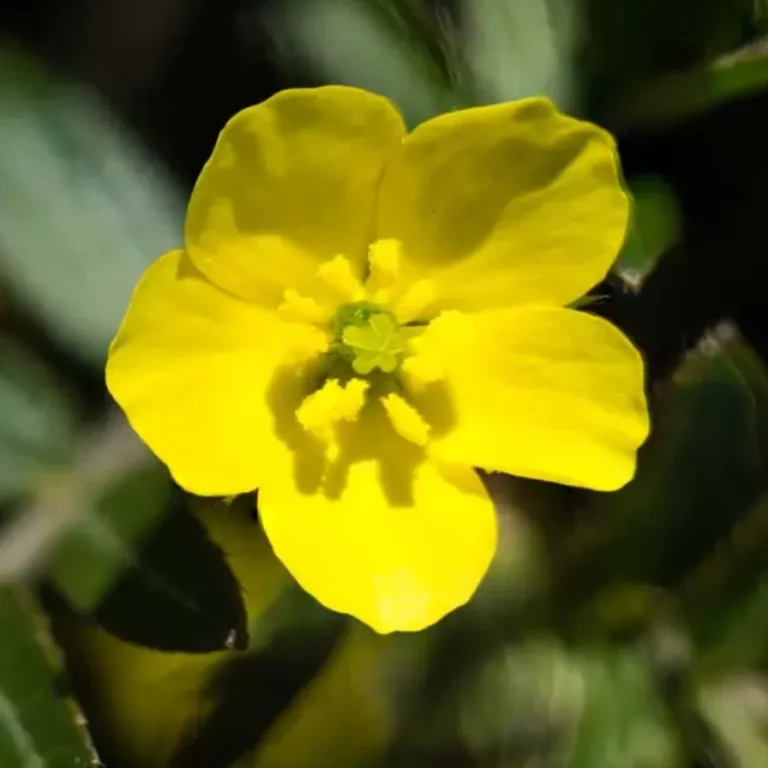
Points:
[(517, 575), (655, 226), (734, 634), (699, 471), (84, 207), (143, 704), (635, 45), (178, 593), (93, 553), (522, 704), (349, 41), (519, 48), (725, 599), (688, 92), (736, 708), (744, 72), (36, 423), (38, 727), (542, 703), (623, 722), (341, 717)]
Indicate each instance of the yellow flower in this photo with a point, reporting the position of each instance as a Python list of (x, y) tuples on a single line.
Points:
[(360, 317)]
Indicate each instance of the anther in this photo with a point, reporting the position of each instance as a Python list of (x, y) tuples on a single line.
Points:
[(300, 309), (406, 420), (338, 275)]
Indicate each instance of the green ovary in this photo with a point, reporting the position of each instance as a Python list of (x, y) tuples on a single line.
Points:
[(368, 337)]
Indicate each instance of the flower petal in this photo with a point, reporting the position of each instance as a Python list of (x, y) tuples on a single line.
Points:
[(290, 184), (503, 205), (542, 392), (191, 366), (386, 536)]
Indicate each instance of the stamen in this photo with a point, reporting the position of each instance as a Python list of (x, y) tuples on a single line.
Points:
[(322, 410), (307, 345), (338, 275), (406, 420), (300, 309), (415, 301)]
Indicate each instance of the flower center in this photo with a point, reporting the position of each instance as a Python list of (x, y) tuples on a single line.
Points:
[(369, 335)]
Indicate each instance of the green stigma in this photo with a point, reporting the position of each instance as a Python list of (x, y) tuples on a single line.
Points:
[(369, 337)]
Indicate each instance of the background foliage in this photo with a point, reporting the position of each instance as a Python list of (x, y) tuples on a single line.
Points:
[(144, 628)]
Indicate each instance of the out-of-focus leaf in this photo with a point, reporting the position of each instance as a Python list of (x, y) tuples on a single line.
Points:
[(725, 599), (760, 16), (744, 72), (38, 727), (36, 423), (736, 708), (699, 471), (347, 41), (179, 593), (285, 703), (633, 45), (106, 539), (682, 94), (262, 577), (524, 703), (655, 227), (623, 721), (519, 48), (541, 703), (342, 718), (84, 207), (139, 701), (145, 703), (734, 634), (518, 573)]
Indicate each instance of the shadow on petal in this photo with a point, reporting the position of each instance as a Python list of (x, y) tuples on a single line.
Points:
[(370, 438), (290, 385)]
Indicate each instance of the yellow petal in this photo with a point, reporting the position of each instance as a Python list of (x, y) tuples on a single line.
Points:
[(503, 205), (541, 392), (192, 367), (290, 184), (385, 535)]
